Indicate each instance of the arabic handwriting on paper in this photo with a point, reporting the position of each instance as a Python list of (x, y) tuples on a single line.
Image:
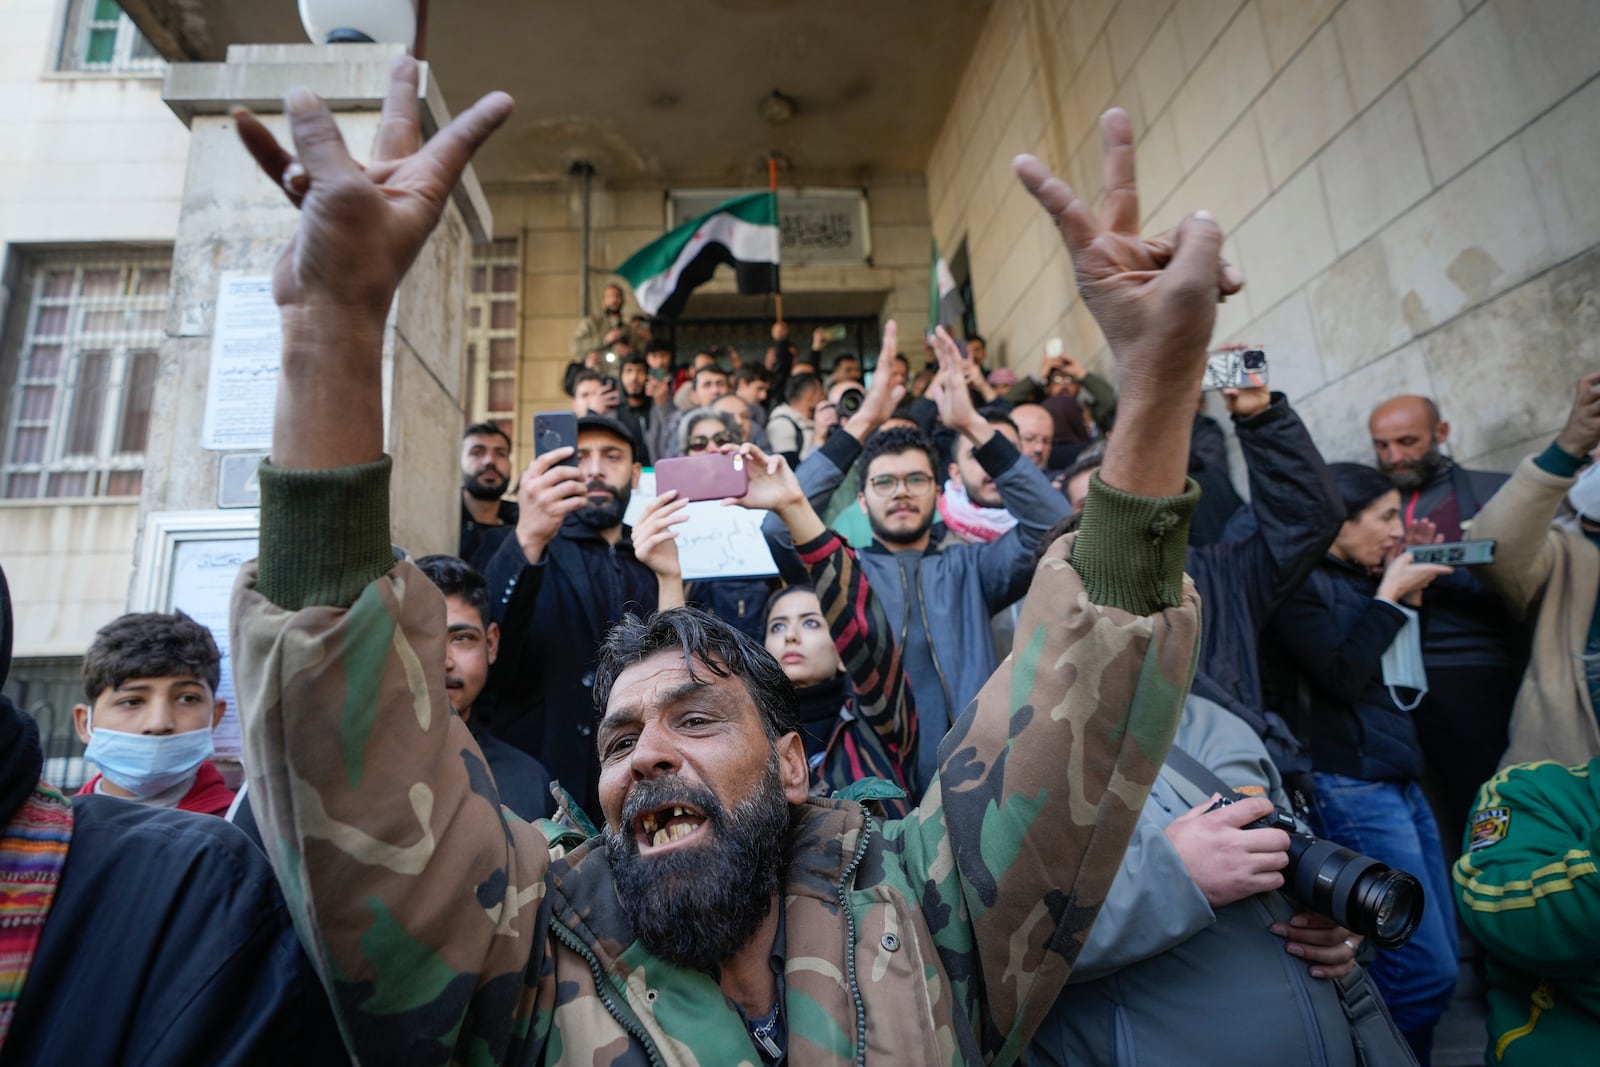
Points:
[(203, 573), (243, 382), (715, 541)]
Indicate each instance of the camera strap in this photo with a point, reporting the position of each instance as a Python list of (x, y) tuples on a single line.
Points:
[(1198, 773)]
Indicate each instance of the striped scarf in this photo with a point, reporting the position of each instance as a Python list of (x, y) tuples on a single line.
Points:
[(33, 849)]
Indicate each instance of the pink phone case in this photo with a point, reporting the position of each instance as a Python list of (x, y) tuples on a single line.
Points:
[(715, 476)]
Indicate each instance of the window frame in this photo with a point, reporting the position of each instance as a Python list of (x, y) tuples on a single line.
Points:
[(76, 342), (77, 25), (481, 377)]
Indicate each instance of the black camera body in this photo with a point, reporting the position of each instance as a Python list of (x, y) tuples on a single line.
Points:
[(1355, 891)]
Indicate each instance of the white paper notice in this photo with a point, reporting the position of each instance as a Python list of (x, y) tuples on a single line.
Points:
[(202, 586), (245, 354), (715, 541)]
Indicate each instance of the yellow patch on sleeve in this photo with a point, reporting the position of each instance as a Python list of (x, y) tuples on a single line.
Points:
[(1488, 827)]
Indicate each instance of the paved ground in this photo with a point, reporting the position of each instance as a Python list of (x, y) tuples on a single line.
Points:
[(1461, 1038)]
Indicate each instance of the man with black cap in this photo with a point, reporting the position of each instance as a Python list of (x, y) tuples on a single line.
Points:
[(566, 575), (161, 926)]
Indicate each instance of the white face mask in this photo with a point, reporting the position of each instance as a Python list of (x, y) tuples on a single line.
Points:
[(1584, 496), (1402, 662)]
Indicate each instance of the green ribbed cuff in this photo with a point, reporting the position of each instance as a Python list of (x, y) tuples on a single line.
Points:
[(324, 534), (1130, 549)]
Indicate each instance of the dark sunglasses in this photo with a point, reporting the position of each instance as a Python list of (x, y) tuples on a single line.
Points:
[(700, 443)]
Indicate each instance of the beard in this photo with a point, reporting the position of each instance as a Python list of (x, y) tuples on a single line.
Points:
[(1411, 475), (899, 537), (478, 489), (696, 907), (608, 513), (983, 496)]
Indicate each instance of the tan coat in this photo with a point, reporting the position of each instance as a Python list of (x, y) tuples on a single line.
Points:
[(1545, 564)]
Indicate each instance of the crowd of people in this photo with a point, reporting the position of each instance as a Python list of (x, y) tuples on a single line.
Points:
[(1042, 744)]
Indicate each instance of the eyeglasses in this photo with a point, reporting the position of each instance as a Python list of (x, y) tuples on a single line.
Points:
[(916, 483), (700, 443)]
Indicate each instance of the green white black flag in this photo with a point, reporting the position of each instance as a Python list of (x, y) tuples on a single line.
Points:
[(743, 233)]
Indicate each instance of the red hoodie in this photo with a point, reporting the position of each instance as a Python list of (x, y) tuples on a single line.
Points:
[(209, 795)]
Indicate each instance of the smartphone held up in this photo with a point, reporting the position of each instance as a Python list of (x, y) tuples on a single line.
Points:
[(1235, 368)]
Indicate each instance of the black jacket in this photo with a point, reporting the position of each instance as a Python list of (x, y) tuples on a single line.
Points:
[(479, 543), (168, 943), (1468, 626), (552, 621), (1294, 515), (1334, 633), (1208, 466)]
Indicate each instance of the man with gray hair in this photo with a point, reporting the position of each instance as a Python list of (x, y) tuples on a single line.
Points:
[(1470, 645)]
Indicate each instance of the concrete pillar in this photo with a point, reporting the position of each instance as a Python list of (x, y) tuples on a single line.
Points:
[(234, 219)]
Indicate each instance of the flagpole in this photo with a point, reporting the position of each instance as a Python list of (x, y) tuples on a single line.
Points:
[(772, 184)]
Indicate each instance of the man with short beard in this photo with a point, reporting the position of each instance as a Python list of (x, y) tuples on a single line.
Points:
[(1470, 646), (567, 574), (943, 594), (486, 517), (445, 932)]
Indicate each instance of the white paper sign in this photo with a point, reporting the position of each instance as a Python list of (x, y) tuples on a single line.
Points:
[(202, 586), (715, 541), (246, 347)]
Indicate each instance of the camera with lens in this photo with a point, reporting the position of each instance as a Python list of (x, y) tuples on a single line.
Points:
[(1355, 891), (850, 401)]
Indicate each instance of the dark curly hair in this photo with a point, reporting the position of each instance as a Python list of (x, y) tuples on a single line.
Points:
[(892, 442), (150, 645), (714, 645)]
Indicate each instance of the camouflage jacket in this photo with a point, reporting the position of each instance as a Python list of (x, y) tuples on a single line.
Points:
[(448, 931)]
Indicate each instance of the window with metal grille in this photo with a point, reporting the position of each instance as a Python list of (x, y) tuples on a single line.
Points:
[(86, 372), (493, 303), (48, 689), (100, 38)]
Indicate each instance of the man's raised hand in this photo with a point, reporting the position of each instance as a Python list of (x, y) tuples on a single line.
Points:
[(884, 396), (1155, 299), (1581, 435), (955, 402), (360, 228), (550, 490)]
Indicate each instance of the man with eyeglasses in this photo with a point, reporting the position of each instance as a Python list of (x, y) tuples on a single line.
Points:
[(942, 596)]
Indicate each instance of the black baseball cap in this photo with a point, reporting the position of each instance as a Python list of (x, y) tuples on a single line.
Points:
[(607, 424)]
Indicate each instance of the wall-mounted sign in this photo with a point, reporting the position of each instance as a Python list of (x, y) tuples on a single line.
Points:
[(818, 227)]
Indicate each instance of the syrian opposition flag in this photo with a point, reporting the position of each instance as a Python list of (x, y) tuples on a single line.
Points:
[(945, 306), (743, 232)]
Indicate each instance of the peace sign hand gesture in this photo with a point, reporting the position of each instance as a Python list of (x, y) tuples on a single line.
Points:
[(1155, 298)]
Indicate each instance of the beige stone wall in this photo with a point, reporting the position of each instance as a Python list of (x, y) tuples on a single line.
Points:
[(82, 157), (68, 566), (1408, 186), (548, 220)]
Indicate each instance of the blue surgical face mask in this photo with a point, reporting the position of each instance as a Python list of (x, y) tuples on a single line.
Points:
[(147, 764)]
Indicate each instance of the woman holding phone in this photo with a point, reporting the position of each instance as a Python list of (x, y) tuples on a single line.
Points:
[(1352, 636)]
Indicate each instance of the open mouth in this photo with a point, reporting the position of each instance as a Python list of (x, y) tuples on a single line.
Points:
[(667, 825), (454, 683)]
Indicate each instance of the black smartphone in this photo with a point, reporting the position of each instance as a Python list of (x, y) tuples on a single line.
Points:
[(1455, 553), (553, 430)]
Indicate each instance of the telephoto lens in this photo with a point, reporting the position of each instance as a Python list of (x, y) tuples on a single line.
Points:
[(850, 401), (1355, 891)]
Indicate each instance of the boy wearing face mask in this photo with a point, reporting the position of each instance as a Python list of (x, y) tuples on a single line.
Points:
[(151, 682)]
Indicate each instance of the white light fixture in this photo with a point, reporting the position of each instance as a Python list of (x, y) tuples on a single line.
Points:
[(360, 21)]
